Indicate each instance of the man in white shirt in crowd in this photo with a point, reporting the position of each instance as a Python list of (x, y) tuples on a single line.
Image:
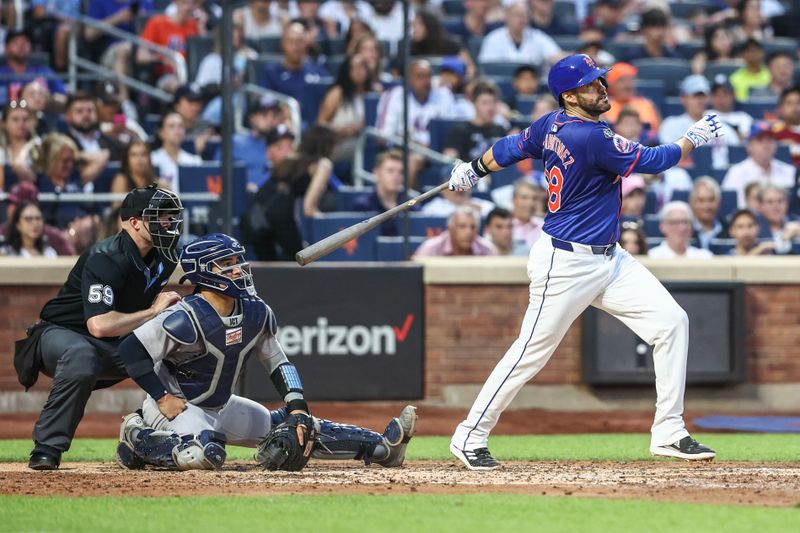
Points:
[(705, 200), (695, 91), (760, 165), (498, 229), (518, 42), (723, 101), (775, 209), (527, 226), (460, 238), (676, 225)]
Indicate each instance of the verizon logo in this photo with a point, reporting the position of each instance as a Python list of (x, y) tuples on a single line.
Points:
[(326, 339)]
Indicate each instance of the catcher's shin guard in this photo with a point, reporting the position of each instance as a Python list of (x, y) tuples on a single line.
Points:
[(155, 447), (343, 441), (396, 436), (206, 451)]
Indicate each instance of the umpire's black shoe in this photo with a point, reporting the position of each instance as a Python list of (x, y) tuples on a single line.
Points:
[(44, 461), (686, 448), (478, 459)]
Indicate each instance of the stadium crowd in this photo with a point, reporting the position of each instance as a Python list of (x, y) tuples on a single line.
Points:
[(477, 72)]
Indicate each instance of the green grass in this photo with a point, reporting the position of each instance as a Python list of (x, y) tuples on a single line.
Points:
[(407, 513), (612, 447)]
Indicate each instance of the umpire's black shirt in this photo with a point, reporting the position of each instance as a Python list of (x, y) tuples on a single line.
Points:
[(109, 276)]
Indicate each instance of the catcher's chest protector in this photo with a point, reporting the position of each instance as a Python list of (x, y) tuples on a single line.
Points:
[(208, 380)]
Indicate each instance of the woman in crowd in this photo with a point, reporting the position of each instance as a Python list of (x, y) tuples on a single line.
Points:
[(25, 236), (750, 24), (170, 155), (136, 170), (15, 134), (256, 20), (719, 47), (370, 48), (633, 239)]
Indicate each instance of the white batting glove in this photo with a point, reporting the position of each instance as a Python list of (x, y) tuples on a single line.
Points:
[(704, 130), (463, 177)]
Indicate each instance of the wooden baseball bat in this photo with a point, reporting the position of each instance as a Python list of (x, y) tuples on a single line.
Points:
[(329, 244)]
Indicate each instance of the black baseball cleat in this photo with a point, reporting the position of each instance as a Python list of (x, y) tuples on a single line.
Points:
[(44, 461), (478, 459), (686, 448)]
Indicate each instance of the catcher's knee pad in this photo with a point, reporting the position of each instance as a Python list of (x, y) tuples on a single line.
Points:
[(155, 447), (206, 451), (344, 441)]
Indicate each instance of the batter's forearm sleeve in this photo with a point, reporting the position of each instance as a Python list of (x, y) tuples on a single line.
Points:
[(657, 159), (140, 366)]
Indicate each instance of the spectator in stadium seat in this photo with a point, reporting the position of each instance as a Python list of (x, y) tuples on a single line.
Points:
[(781, 67), (744, 229), (343, 106), (256, 20), (453, 77), (632, 239), (387, 21), (760, 165), (525, 82), (750, 23), (388, 191), (518, 42), (634, 197), (188, 103), (753, 196), (25, 233), (17, 71), (654, 27), (37, 95), (292, 75), (498, 230), (25, 193), (629, 125), (115, 122), (705, 200), (754, 74), (468, 140), (676, 225), (170, 31), (55, 162), (787, 129), (251, 147), (317, 38), (695, 91), (338, 14), (607, 16), (136, 170), (718, 48), (544, 104), (53, 21), (723, 102), (169, 156), (775, 209), (16, 132), (622, 93), (460, 238), (114, 53), (280, 145), (84, 129), (371, 49), (527, 227), (593, 46), (429, 38), (543, 19), (475, 21), (447, 202)]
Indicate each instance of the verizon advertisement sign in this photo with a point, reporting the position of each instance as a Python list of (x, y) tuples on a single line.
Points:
[(354, 333)]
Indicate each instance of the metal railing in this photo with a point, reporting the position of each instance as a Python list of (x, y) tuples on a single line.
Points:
[(99, 197), (291, 103), (360, 174), (75, 61)]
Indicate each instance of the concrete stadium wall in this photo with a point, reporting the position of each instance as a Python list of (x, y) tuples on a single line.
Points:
[(473, 310)]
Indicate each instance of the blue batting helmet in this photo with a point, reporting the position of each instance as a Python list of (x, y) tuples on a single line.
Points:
[(201, 259), (572, 72)]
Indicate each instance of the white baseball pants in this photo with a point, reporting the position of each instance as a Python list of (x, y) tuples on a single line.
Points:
[(563, 284)]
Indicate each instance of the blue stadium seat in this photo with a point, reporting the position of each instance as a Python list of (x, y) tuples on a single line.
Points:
[(346, 195), (504, 84), (651, 223), (208, 178), (268, 45), (722, 246), (333, 63), (718, 174), (680, 195), (103, 182), (500, 69), (150, 123), (781, 44), (723, 67), (309, 105), (433, 175), (474, 46), (783, 153), (391, 248), (651, 203), (652, 89), (525, 104), (702, 161), (683, 10), (671, 106), (454, 7), (568, 43), (197, 48), (736, 154), (425, 226), (504, 177), (337, 47), (688, 49), (652, 242), (439, 128), (758, 107), (670, 71), (729, 203), (621, 50), (361, 249)]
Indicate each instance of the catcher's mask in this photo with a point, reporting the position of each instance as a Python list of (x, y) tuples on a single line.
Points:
[(202, 260)]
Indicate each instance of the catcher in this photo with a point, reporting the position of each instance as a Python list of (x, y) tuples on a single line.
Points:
[(188, 359)]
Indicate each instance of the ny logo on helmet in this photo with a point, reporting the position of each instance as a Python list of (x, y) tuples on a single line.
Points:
[(589, 61)]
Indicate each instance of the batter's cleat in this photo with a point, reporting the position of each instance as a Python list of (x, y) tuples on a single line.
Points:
[(130, 423), (44, 461), (478, 459), (127, 458), (397, 434), (686, 448)]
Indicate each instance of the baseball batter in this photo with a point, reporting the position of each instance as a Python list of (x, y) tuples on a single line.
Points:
[(577, 262), (189, 358)]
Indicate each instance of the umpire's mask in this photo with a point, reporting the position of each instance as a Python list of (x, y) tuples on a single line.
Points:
[(164, 219)]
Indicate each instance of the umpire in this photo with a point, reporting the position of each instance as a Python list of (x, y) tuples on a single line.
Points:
[(113, 288)]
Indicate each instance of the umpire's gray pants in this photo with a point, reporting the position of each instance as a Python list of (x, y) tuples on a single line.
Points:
[(78, 365)]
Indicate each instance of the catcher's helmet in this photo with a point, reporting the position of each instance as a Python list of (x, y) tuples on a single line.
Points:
[(199, 257), (572, 72)]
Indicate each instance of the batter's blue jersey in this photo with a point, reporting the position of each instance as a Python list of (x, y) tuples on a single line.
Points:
[(582, 160)]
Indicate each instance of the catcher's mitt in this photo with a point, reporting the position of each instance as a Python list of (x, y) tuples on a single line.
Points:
[(281, 449)]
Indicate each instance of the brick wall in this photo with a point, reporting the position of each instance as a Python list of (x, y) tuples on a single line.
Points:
[(469, 327)]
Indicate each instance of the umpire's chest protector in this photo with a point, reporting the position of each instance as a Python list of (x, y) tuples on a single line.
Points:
[(208, 380)]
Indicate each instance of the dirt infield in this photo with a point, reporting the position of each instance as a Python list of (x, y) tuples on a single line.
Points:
[(766, 484)]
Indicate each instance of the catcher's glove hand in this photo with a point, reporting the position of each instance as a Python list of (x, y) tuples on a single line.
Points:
[(288, 446)]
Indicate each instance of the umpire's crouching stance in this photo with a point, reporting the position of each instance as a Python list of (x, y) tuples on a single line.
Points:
[(112, 289)]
